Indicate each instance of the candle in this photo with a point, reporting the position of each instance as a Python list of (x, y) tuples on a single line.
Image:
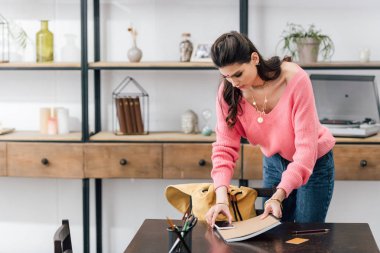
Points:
[(63, 120), (44, 117), (52, 123)]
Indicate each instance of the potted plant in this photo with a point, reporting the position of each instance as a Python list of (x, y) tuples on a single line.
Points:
[(306, 45)]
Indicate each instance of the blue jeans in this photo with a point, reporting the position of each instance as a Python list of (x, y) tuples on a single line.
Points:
[(310, 202)]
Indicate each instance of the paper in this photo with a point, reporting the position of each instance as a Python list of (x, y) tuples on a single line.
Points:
[(249, 228), (297, 240)]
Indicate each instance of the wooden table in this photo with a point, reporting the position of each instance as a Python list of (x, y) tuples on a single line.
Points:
[(152, 237)]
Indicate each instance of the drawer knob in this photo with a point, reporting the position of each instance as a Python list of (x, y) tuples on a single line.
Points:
[(363, 163), (44, 161), (123, 161), (202, 162)]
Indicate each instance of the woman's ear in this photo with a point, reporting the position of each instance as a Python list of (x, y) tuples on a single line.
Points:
[(255, 58)]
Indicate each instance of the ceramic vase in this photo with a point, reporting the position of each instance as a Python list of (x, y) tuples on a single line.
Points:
[(134, 54), (185, 48)]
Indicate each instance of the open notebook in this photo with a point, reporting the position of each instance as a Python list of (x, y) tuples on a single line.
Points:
[(248, 228)]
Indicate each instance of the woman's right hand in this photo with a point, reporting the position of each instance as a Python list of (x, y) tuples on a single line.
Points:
[(221, 206), (215, 210)]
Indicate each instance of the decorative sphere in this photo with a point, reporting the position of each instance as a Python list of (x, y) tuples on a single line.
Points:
[(206, 114), (206, 131)]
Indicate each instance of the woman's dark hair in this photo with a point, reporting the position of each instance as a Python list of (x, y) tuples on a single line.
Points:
[(234, 47)]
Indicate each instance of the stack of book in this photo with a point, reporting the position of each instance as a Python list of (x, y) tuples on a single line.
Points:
[(129, 115)]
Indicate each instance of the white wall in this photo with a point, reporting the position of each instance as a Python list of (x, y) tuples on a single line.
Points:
[(35, 207)]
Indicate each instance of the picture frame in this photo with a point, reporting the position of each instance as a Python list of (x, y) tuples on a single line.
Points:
[(201, 53)]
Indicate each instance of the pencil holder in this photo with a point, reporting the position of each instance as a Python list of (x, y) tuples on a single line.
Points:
[(175, 245), (130, 108)]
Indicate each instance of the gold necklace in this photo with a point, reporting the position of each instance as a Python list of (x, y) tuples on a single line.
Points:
[(261, 113)]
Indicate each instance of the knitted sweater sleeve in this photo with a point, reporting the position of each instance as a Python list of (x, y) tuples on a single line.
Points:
[(305, 121), (225, 150)]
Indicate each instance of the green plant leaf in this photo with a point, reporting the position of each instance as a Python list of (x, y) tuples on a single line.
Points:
[(292, 34)]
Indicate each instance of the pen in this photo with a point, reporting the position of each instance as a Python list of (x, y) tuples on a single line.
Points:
[(178, 233), (311, 231)]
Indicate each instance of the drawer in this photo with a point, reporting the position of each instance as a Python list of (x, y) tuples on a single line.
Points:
[(357, 162), (2, 158), (190, 161), (45, 160), (123, 160), (253, 162)]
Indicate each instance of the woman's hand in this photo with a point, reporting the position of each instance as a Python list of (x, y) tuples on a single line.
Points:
[(274, 204), (215, 210), (274, 207), (221, 206)]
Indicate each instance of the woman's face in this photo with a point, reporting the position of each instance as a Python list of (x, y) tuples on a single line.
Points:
[(242, 76)]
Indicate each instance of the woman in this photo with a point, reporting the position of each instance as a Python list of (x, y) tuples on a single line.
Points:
[(271, 103)]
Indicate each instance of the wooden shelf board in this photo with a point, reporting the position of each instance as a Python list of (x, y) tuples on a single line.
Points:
[(181, 137), (152, 65), (36, 136), (34, 65), (153, 137), (210, 65), (369, 140), (170, 65), (342, 64)]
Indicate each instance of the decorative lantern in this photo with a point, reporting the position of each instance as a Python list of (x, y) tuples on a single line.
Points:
[(4, 39), (130, 114)]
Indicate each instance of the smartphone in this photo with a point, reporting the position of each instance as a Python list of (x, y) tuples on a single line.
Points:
[(223, 225)]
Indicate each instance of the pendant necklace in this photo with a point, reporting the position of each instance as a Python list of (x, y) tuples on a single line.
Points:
[(261, 113)]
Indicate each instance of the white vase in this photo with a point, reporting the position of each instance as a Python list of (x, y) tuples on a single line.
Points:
[(70, 52), (134, 54)]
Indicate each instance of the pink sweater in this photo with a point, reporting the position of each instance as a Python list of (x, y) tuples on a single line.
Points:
[(291, 129)]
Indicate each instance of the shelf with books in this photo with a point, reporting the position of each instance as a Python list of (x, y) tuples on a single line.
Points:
[(130, 109), (37, 136)]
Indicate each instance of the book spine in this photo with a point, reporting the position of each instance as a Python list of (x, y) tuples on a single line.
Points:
[(133, 116), (128, 117), (139, 122), (121, 115)]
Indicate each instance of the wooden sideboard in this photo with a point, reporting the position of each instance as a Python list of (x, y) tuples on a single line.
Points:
[(165, 156)]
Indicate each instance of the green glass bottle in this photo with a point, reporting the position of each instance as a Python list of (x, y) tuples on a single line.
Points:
[(44, 43)]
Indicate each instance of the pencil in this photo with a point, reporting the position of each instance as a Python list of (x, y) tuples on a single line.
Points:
[(178, 233), (311, 231)]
